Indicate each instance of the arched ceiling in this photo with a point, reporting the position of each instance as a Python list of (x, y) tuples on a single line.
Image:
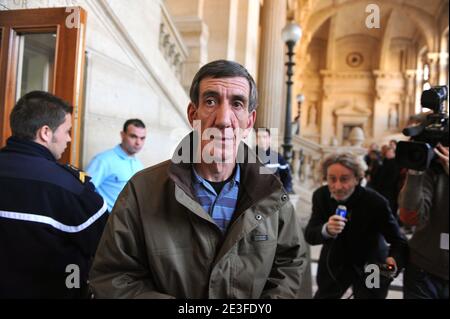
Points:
[(351, 16), (428, 6)]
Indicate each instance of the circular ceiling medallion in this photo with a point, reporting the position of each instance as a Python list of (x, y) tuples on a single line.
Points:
[(354, 59)]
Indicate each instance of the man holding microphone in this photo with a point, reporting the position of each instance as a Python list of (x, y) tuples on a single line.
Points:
[(352, 223)]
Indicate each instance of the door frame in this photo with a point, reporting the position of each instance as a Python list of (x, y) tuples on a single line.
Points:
[(69, 23)]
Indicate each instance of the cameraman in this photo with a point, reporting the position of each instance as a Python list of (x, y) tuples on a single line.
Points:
[(352, 242), (423, 202)]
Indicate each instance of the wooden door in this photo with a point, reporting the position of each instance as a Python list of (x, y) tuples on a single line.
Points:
[(43, 49)]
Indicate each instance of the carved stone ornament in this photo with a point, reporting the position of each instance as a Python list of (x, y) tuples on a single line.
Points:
[(354, 59)]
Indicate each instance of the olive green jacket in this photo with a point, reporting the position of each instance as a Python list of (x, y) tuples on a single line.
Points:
[(160, 243)]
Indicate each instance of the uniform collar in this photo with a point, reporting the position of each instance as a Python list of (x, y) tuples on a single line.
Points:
[(18, 145)]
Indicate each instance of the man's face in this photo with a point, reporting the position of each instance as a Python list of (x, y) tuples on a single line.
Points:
[(223, 115), (60, 137), (263, 140), (390, 153), (133, 139), (393, 144), (373, 147), (341, 182)]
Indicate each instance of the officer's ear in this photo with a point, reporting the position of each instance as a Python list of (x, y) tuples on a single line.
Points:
[(44, 135)]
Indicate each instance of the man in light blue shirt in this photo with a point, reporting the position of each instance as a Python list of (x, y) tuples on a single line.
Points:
[(111, 169)]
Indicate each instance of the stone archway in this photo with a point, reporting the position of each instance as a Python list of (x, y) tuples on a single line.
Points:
[(424, 21), (348, 117)]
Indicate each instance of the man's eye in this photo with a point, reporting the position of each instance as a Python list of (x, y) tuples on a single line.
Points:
[(210, 102), (238, 104)]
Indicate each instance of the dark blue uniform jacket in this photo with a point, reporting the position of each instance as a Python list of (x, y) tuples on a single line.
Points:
[(51, 220), (277, 163)]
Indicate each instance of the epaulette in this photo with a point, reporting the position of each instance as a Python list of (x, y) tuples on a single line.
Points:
[(82, 176)]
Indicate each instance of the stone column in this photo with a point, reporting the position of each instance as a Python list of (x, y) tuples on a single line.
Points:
[(195, 35), (328, 130), (381, 104), (409, 108), (248, 35), (188, 18), (433, 60), (443, 68), (222, 19), (271, 65)]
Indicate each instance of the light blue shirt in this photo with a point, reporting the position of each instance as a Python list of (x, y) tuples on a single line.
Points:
[(110, 171)]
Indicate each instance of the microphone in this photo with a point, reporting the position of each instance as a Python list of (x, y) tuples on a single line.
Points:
[(341, 210)]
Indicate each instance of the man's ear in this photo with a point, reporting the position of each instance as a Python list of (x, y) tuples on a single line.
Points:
[(250, 122), (192, 113), (44, 135)]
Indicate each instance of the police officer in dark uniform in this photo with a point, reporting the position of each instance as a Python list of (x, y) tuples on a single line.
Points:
[(51, 218), (272, 160)]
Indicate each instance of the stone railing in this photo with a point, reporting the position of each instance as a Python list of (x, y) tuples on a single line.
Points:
[(308, 156), (171, 43), (306, 170)]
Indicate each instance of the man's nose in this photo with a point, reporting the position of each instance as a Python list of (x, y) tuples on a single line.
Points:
[(223, 115), (338, 185)]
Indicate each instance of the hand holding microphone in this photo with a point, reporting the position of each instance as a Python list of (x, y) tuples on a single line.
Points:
[(337, 222)]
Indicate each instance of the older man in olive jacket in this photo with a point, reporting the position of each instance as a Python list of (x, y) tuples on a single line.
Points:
[(209, 223)]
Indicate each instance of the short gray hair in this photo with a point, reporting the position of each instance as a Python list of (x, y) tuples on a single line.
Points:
[(347, 160), (223, 69)]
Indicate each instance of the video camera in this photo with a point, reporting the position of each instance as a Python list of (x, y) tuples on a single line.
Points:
[(418, 153)]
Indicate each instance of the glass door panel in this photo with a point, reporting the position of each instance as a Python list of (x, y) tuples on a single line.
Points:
[(35, 63)]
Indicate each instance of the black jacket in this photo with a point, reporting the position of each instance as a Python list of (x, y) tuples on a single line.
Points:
[(386, 181), (370, 221), (51, 220)]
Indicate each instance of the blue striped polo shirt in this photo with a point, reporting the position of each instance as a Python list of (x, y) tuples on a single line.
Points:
[(220, 206)]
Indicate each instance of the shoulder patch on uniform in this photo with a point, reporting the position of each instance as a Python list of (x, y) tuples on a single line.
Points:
[(78, 173)]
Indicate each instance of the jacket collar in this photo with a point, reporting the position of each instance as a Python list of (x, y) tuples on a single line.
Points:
[(354, 197), (254, 185), (18, 145), (235, 178)]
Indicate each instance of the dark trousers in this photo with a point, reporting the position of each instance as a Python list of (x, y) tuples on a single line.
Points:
[(419, 284), (334, 289)]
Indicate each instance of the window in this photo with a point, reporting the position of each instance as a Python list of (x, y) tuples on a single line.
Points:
[(42, 49)]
